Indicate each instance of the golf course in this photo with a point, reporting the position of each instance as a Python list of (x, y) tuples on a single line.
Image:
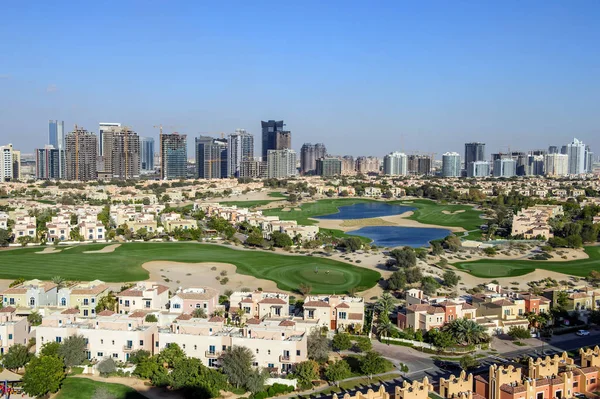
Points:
[(125, 264), (509, 268)]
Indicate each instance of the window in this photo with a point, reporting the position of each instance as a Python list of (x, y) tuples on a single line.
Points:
[(86, 302), (59, 339), (126, 303), (9, 336), (298, 352), (63, 301), (115, 355), (540, 395), (32, 301), (257, 351), (100, 354), (176, 306), (268, 351), (211, 349), (247, 310), (129, 344), (12, 301), (101, 342), (93, 300), (197, 306), (204, 305), (141, 342), (255, 364), (113, 341), (156, 344), (85, 312), (147, 304), (212, 362), (342, 315), (195, 347), (277, 311), (311, 314), (270, 365), (507, 312)]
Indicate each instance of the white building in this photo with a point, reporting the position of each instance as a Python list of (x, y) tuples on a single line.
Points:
[(240, 147), (6, 162), (556, 165), (577, 157), (281, 163), (451, 164), (395, 164), (505, 167), (478, 169)]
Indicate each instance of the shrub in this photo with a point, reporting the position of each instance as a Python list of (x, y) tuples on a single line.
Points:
[(519, 333), (107, 367)]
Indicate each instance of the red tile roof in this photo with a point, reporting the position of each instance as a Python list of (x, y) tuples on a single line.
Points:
[(287, 323), (8, 309), (316, 304), (216, 319), (106, 312), (70, 311), (273, 301), (184, 316), (253, 320), (343, 305)]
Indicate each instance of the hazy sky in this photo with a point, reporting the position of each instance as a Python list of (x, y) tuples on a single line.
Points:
[(363, 77)]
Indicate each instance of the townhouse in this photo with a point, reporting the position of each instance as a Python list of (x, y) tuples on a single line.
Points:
[(579, 299), (59, 228), (25, 226), (186, 300), (336, 312), (260, 304), (31, 294), (83, 296), (3, 221), (533, 222), (427, 316), (144, 295), (13, 329)]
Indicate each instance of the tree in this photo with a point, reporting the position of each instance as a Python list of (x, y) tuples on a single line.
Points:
[(352, 244), (34, 318), (59, 281), (385, 328), (562, 300), (305, 289), (397, 280), (18, 281), (341, 342), (107, 366), (468, 362), (436, 248), (171, 355), (108, 302), (199, 313), (429, 285), (450, 278), (281, 240), (441, 339), (452, 243), (255, 239), (306, 372), (17, 356), (516, 332), (413, 275), (385, 304), (337, 371), (256, 380), (237, 364), (136, 356), (5, 238), (43, 375), (317, 346), (372, 363), (363, 345), (405, 257), (50, 349), (72, 350), (465, 331), (151, 318)]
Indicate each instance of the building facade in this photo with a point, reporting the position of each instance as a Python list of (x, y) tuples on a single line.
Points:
[(474, 152), (328, 167), (173, 156), (419, 165), (211, 158), (309, 154), (270, 130), (478, 169), (240, 147), (451, 164), (147, 154), (395, 164), (577, 157), (102, 128), (556, 165), (121, 147), (80, 155), (505, 167), (281, 164), (47, 163)]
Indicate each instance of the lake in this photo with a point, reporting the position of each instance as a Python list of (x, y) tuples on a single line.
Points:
[(396, 236), (365, 210)]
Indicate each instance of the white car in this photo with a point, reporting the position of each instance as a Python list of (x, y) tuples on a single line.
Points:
[(582, 333)]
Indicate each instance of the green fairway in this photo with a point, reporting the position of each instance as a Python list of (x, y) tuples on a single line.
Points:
[(312, 209), (277, 194), (431, 212), (124, 264), (246, 204), (510, 268), (84, 388)]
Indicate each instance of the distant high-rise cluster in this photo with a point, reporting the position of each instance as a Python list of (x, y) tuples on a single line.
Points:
[(173, 156), (395, 164), (211, 158), (281, 163), (451, 164), (121, 156), (81, 149), (274, 137), (309, 154), (240, 149)]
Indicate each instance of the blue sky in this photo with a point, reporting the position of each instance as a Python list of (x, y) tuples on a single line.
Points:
[(362, 77)]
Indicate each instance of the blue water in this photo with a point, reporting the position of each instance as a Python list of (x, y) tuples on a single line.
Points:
[(395, 236), (367, 210)]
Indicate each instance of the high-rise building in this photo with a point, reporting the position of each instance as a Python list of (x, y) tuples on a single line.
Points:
[(56, 138), (419, 164), (81, 149), (535, 165), (211, 158), (589, 160), (348, 165), (47, 165), (368, 165), (173, 156), (474, 152), (451, 164), (309, 154), (121, 147), (329, 167), (281, 163), (270, 130), (240, 147), (505, 167), (395, 164), (553, 149), (253, 169), (7, 163), (147, 154), (103, 127), (556, 165), (478, 169), (577, 158)]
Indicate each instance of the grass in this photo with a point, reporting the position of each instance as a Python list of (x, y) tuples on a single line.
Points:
[(246, 204), (313, 209), (277, 194), (124, 264), (431, 212), (355, 383), (487, 268), (84, 388)]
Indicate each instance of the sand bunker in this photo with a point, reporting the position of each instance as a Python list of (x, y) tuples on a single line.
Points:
[(107, 249), (48, 250), (453, 213), (201, 274), (366, 222)]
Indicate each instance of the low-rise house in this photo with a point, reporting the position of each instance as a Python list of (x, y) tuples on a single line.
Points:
[(3, 221), (145, 295), (25, 226), (92, 230), (188, 299), (13, 329), (58, 230), (533, 222), (336, 312), (429, 315), (83, 296), (31, 294), (260, 304)]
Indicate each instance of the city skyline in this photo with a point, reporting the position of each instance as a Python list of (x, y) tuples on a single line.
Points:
[(423, 78)]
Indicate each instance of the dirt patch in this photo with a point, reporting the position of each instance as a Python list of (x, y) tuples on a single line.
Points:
[(107, 249), (453, 213), (49, 250)]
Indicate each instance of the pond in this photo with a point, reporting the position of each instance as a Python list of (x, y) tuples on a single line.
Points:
[(396, 236), (365, 210)]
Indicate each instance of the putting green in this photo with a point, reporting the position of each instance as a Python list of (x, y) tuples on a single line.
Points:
[(124, 264)]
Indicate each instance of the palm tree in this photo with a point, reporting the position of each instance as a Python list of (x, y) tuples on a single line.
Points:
[(59, 281), (385, 329), (199, 313), (385, 304), (466, 331), (239, 314), (218, 313)]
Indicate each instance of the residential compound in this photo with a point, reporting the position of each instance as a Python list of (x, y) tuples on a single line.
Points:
[(144, 296), (533, 222)]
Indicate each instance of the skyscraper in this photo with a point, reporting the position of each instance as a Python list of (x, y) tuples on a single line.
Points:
[(274, 137), (451, 164), (395, 164), (589, 160), (505, 167), (47, 163), (56, 138), (309, 154), (474, 152), (281, 163), (240, 147), (419, 164), (368, 165), (328, 167), (556, 165), (535, 165), (576, 153), (173, 156), (121, 152), (103, 127), (147, 154), (553, 149), (478, 169), (211, 158), (6, 163), (81, 149)]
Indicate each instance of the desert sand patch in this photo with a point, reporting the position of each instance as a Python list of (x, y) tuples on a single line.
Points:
[(107, 249), (453, 213), (49, 250)]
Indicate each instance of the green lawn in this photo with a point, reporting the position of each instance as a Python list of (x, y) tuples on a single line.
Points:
[(508, 268), (312, 209), (277, 194), (83, 388), (431, 212), (246, 204), (124, 264)]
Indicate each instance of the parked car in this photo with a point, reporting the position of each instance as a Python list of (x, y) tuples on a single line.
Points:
[(582, 333)]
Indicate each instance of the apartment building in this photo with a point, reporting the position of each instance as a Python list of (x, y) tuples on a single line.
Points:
[(260, 304), (25, 226), (275, 345), (336, 312), (533, 222), (186, 300), (107, 335), (83, 296), (13, 329), (579, 299), (31, 294), (145, 295), (92, 230)]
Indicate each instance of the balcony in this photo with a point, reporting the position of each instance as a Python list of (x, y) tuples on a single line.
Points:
[(127, 348), (212, 354), (284, 359)]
